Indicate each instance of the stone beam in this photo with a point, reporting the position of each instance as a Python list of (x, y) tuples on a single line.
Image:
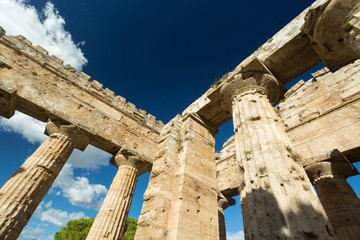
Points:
[(286, 55), (44, 89)]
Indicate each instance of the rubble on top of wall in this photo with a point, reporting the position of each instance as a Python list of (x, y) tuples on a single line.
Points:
[(38, 54)]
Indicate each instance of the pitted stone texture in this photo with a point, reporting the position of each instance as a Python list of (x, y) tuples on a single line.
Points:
[(194, 210), (336, 195), (111, 219), (277, 195), (259, 80), (23, 192), (334, 31), (154, 216)]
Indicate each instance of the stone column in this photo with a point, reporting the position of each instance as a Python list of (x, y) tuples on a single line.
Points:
[(223, 203), (278, 201), (111, 219), (338, 198), (194, 211), (23, 192)]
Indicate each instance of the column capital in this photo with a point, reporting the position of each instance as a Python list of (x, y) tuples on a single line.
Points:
[(76, 135), (330, 170), (225, 201), (333, 28), (132, 157), (250, 82)]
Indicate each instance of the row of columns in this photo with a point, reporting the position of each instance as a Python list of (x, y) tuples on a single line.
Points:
[(23, 192)]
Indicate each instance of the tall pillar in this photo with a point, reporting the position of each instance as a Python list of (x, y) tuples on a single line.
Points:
[(336, 195), (23, 192), (278, 201), (223, 203), (194, 211), (111, 219)]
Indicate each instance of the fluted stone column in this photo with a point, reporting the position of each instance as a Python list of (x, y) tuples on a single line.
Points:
[(338, 198), (111, 219), (278, 201), (23, 192), (223, 203)]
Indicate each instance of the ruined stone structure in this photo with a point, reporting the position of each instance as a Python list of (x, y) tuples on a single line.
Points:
[(310, 138)]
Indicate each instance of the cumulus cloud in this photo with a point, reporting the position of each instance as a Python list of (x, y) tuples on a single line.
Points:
[(33, 131), (57, 217), (91, 158), (45, 29), (29, 128), (79, 191), (235, 236), (34, 233)]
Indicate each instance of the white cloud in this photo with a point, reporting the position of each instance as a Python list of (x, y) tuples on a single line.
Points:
[(45, 29), (55, 216), (91, 158), (29, 128), (33, 131), (235, 236), (34, 233), (78, 190)]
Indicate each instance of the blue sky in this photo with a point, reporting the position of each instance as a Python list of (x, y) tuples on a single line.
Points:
[(160, 55)]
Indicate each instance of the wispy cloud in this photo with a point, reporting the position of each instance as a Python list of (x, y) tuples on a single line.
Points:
[(79, 191), (55, 216), (235, 236), (34, 233), (45, 29)]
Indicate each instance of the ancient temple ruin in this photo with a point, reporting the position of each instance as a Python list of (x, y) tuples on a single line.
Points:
[(285, 142)]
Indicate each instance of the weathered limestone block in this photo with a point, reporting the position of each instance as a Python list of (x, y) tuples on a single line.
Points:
[(324, 113), (45, 88), (227, 165), (336, 195), (23, 192), (334, 31), (194, 209), (154, 216), (111, 219), (7, 98), (278, 201)]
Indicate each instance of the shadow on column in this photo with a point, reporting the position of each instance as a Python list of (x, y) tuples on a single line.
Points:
[(267, 221)]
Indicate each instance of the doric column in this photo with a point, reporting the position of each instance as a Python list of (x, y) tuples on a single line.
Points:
[(23, 192), (334, 30), (278, 201), (111, 219), (336, 195), (223, 203)]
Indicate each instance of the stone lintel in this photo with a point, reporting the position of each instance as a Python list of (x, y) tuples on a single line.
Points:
[(7, 99), (127, 150), (202, 121)]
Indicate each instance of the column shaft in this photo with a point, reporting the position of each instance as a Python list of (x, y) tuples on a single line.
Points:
[(342, 206), (23, 192), (278, 201), (111, 219)]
